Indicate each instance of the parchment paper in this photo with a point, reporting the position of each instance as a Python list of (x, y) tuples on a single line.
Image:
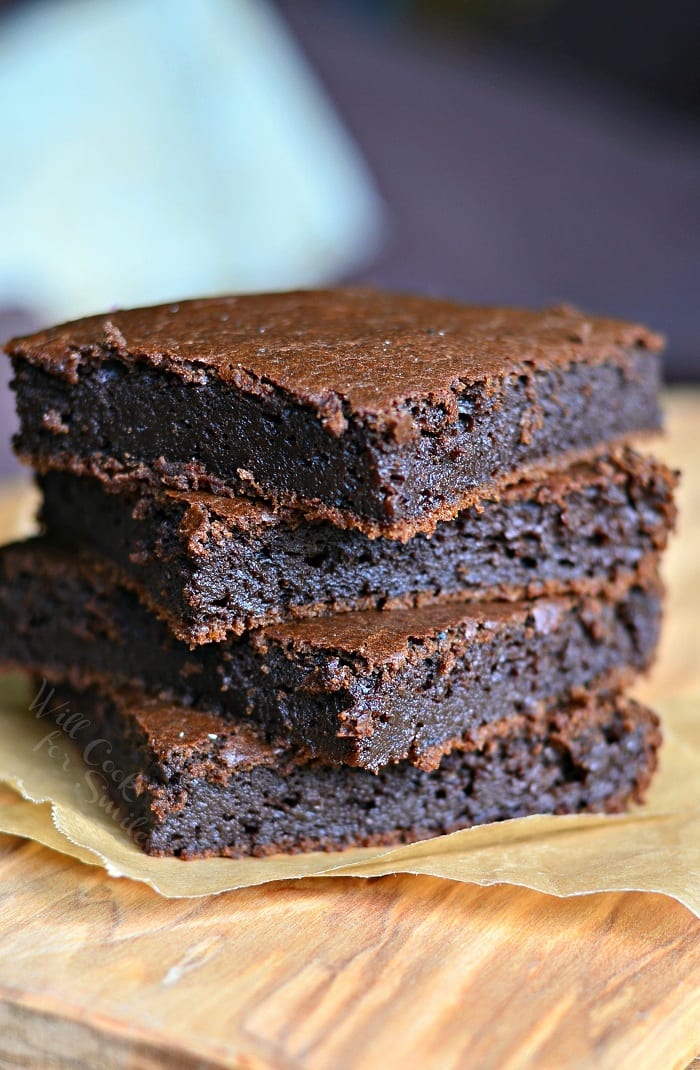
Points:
[(655, 848)]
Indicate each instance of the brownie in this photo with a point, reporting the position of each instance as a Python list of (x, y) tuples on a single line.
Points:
[(365, 688), (191, 786), (380, 412), (211, 566)]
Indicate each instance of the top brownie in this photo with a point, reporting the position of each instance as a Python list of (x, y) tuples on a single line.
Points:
[(376, 411)]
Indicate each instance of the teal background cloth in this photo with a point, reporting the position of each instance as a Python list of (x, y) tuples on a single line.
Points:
[(153, 149)]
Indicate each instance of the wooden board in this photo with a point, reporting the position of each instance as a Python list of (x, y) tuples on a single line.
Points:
[(392, 972)]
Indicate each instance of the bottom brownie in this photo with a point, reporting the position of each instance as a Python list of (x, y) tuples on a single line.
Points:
[(184, 784)]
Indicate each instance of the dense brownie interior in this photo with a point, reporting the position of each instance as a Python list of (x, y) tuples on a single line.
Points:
[(210, 566)]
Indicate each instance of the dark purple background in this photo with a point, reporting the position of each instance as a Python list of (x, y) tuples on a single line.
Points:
[(509, 182)]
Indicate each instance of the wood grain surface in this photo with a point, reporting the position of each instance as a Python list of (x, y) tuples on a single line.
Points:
[(344, 974)]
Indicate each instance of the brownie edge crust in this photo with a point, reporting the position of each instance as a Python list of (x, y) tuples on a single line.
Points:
[(195, 788)]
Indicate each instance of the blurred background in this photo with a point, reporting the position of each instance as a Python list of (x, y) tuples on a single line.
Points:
[(496, 151)]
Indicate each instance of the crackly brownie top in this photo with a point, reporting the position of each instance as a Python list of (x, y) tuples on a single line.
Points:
[(180, 736), (342, 352), (379, 636)]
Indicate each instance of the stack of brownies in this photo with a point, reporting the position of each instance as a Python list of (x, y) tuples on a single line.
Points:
[(334, 568)]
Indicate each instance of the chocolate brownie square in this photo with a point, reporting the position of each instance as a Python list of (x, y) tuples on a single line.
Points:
[(191, 786), (212, 566), (375, 411)]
